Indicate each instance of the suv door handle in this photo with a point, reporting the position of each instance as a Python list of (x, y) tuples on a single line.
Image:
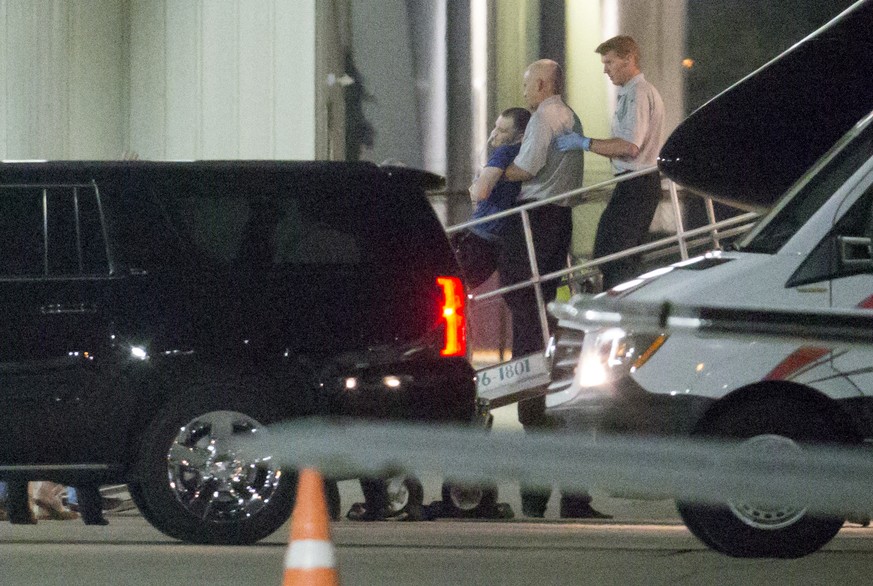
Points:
[(61, 308)]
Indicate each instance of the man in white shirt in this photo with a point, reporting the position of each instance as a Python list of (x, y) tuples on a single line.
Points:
[(637, 130)]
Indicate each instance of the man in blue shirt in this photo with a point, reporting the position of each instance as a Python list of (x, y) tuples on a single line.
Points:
[(478, 249)]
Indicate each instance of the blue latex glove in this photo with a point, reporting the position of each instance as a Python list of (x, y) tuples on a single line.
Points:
[(572, 142)]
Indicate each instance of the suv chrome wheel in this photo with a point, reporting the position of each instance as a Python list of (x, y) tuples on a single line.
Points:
[(209, 478), (193, 485), (398, 493)]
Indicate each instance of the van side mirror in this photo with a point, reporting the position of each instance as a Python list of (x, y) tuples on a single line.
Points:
[(855, 253)]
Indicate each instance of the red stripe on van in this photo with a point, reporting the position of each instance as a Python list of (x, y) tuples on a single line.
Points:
[(795, 361), (867, 303)]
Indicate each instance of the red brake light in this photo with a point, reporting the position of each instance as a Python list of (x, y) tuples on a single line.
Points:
[(452, 315)]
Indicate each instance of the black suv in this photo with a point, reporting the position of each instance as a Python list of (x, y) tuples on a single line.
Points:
[(151, 311)]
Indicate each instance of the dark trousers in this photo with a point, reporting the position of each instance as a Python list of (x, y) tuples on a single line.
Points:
[(91, 504), (551, 229), (625, 224), (18, 502), (375, 495)]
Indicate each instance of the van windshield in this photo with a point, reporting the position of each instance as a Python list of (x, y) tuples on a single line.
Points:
[(793, 211)]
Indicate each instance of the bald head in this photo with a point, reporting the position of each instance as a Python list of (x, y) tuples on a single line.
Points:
[(542, 79)]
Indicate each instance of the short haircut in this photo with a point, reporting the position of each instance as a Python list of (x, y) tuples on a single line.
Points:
[(623, 46), (520, 117), (551, 72), (558, 78)]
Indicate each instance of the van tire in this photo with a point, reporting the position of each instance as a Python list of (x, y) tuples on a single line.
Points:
[(181, 454), (469, 501), (405, 496), (747, 531)]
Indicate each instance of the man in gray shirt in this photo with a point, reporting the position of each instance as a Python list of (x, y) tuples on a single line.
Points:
[(545, 172), (637, 130)]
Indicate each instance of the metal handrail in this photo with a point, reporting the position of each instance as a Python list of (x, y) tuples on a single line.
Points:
[(583, 266), (713, 229), (555, 199)]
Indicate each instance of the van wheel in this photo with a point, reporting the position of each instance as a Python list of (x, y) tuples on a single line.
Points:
[(194, 486), (469, 501), (746, 529), (405, 495)]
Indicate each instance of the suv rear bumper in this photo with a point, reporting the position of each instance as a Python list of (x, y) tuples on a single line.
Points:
[(417, 389)]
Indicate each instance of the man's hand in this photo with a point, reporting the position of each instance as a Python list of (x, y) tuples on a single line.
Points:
[(572, 142)]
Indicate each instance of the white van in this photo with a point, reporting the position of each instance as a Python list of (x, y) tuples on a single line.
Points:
[(811, 251)]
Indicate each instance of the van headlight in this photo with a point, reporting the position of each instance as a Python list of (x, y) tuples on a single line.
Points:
[(610, 353)]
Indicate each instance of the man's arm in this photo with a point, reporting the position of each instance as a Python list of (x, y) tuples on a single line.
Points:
[(614, 148), (516, 173), (484, 183)]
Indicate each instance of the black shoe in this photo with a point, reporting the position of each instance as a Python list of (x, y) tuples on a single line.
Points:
[(92, 520), (502, 511), (359, 512), (435, 510), (18, 517), (582, 512), (862, 520), (412, 513), (534, 513)]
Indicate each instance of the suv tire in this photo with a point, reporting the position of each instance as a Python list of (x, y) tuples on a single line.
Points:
[(192, 486)]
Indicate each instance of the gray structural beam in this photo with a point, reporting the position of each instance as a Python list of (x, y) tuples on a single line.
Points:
[(822, 479)]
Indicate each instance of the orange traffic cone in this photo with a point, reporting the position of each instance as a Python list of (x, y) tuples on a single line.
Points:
[(310, 559)]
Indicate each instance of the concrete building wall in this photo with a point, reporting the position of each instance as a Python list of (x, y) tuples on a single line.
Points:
[(515, 44), (222, 79), (62, 67), (167, 79), (382, 46)]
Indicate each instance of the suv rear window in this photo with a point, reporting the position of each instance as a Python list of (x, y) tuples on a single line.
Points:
[(228, 230), (249, 221)]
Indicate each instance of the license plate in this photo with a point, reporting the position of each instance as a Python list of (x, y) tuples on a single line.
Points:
[(513, 381)]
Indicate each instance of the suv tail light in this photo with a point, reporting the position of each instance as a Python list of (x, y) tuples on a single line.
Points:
[(453, 317)]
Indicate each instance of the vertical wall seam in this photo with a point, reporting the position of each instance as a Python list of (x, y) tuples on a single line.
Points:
[(238, 102), (201, 35), (6, 80), (166, 73), (273, 81), (70, 48)]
